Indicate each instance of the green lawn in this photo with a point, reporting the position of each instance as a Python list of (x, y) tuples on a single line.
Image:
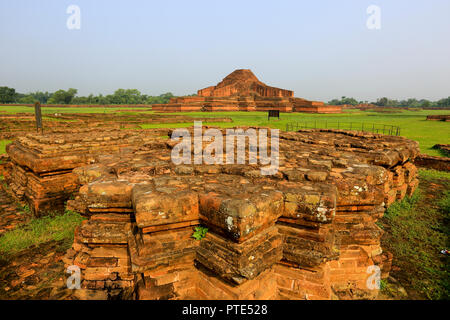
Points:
[(40, 230), (413, 124), (3, 144), (417, 229)]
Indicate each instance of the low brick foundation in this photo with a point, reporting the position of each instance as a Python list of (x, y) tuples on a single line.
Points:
[(40, 169), (245, 103), (431, 162), (439, 117), (308, 232)]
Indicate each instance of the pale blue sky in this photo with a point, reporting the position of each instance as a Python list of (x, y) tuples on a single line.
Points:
[(320, 49)]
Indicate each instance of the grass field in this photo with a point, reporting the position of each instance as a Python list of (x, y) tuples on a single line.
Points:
[(3, 144), (40, 230), (413, 124), (417, 229)]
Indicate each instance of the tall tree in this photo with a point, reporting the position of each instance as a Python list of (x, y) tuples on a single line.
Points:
[(63, 96), (7, 95), (344, 100), (443, 102)]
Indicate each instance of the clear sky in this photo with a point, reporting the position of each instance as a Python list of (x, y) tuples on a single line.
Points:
[(320, 49)]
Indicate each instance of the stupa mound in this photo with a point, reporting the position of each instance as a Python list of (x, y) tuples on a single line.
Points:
[(242, 91), (243, 82)]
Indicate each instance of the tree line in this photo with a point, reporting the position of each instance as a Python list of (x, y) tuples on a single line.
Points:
[(120, 96), (134, 96), (386, 102)]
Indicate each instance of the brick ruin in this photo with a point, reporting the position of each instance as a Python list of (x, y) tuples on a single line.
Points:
[(242, 91), (39, 168), (439, 117), (432, 162), (307, 232), (20, 124), (243, 82)]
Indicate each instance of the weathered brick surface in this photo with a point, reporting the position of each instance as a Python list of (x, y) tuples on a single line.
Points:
[(161, 249), (103, 258), (308, 232), (165, 201), (41, 165), (431, 162), (209, 286), (239, 262), (304, 284), (308, 246), (10, 218), (21, 124)]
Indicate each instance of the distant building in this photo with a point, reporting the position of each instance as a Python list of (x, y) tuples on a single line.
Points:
[(242, 91)]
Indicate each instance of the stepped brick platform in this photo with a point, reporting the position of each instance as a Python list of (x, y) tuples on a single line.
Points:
[(307, 232), (242, 91), (40, 169)]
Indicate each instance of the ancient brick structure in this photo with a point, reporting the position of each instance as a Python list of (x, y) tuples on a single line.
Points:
[(432, 162), (307, 232), (19, 124), (439, 117), (444, 148), (436, 163), (242, 91), (243, 83), (40, 166)]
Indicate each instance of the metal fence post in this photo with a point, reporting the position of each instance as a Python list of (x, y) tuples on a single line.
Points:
[(38, 117)]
